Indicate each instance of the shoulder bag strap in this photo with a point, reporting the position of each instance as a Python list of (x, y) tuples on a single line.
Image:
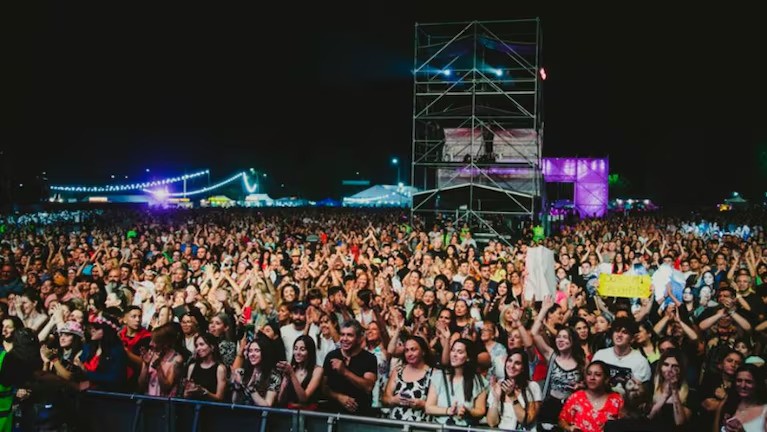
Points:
[(547, 383), (447, 389)]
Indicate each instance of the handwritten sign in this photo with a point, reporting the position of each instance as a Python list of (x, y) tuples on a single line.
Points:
[(622, 285)]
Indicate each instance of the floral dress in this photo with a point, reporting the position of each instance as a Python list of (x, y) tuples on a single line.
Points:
[(579, 411), (244, 393)]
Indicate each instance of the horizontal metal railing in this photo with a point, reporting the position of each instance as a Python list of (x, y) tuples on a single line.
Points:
[(119, 412)]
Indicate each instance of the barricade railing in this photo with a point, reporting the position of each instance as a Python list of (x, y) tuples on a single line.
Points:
[(100, 411)]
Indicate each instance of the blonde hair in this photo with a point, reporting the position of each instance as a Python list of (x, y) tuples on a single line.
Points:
[(162, 284)]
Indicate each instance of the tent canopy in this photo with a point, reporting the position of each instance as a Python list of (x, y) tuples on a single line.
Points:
[(381, 195)]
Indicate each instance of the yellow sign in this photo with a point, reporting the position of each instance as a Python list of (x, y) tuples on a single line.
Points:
[(619, 285)]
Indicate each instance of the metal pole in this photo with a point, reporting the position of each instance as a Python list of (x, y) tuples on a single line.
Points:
[(413, 135), (137, 415), (196, 421)]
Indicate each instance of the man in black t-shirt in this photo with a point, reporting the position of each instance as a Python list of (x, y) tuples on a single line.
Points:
[(350, 373)]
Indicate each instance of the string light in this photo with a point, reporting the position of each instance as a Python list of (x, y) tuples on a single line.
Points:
[(129, 187), (205, 189), (247, 186)]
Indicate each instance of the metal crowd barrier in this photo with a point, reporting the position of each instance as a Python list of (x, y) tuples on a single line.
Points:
[(119, 412)]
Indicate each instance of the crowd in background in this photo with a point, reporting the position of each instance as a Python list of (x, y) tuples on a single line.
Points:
[(369, 313)]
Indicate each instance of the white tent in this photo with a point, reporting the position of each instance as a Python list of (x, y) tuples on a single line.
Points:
[(258, 200), (381, 196)]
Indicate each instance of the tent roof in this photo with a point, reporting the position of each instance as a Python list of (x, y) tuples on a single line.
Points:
[(387, 191)]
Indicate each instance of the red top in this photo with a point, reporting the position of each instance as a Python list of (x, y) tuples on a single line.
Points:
[(130, 344), (541, 368), (92, 364), (578, 411)]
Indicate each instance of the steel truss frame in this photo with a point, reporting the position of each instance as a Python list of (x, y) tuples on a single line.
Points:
[(481, 79)]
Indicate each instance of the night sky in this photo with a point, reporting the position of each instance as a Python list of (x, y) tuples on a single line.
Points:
[(313, 94)]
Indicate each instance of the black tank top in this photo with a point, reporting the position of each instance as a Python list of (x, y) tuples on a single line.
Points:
[(206, 378), (290, 392)]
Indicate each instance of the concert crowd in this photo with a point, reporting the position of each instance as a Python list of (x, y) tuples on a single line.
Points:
[(369, 313)]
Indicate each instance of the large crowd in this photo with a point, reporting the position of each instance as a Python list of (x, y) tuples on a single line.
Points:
[(370, 313)]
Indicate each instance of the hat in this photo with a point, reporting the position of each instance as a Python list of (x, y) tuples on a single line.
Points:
[(297, 307), (73, 328), (295, 253), (51, 297)]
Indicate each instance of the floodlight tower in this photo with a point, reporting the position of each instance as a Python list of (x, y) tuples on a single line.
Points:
[(477, 121)]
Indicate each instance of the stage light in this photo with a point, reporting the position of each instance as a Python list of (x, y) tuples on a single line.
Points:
[(447, 72), (543, 74), (498, 72)]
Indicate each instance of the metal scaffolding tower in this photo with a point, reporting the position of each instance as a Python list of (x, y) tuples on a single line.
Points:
[(477, 120)]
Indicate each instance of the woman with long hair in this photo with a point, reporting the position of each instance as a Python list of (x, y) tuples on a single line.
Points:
[(29, 308), (11, 324), (514, 402), (589, 409), (301, 377), (583, 331), (408, 384), (222, 327), (645, 342), (457, 394), (745, 409), (565, 365), (103, 357), (461, 317), (376, 342), (258, 382), (206, 375), (161, 366), (669, 410), (61, 359), (189, 330), (327, 339)]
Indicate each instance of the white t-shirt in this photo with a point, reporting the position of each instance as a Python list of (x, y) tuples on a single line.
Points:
[(508, 418), (289, 335), (633, 365), (454, 394), (326, 346)]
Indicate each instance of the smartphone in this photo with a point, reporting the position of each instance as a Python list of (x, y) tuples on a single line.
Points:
[(247, 312)]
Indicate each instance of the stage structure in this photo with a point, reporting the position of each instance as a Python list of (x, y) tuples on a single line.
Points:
[(477, 120), (589, 178)]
